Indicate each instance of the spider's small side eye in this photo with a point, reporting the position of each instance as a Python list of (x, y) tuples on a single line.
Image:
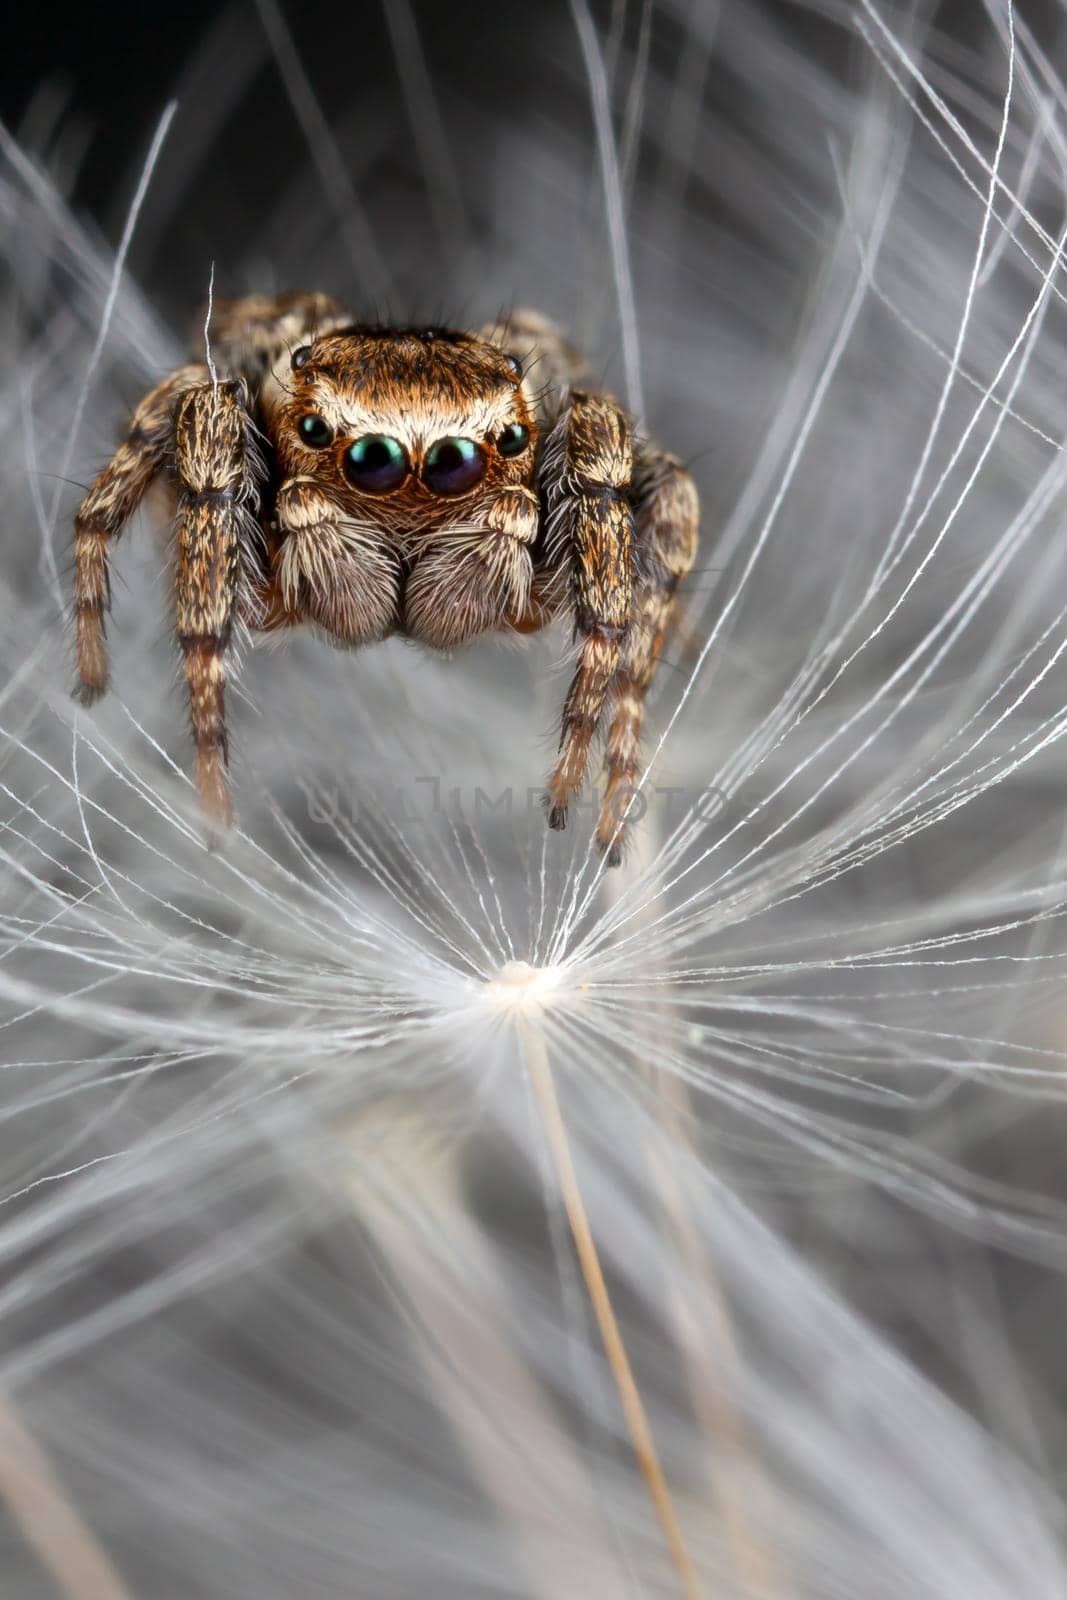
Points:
[(513, 440), (453, 466), (301, 357), (376, 464), (315, 430), (515, 364)]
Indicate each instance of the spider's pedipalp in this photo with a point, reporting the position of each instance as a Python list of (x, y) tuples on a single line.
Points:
[(476, 576), (586, 472), (215, 461), (341, 574), (110, 503), (666, 520)]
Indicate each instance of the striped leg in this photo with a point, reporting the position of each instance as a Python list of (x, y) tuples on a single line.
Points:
[(587, 468), (666, 533), (216, 471), (109, 504), (248, 334)]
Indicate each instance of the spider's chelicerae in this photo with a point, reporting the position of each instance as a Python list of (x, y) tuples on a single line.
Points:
[(420, 481)]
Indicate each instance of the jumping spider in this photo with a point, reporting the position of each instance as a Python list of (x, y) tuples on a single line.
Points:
[(420, 481)]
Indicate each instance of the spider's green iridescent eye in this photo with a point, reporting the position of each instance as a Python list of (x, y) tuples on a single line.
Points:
[(315, 430), (376, 464), (513, 440), (453, 466)]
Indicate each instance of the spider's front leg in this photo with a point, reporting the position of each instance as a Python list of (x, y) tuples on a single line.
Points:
[(667, 516), (216, 466), (587, 467), (109, 504)]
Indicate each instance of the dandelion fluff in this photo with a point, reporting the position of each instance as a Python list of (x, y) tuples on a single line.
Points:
[(290, 1294)]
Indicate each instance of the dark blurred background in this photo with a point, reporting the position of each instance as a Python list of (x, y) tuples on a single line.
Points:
[(115, 65), (84, 88)]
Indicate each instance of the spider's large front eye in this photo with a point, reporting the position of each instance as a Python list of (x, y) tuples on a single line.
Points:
[(315, 430), (453, 466), (376, 464)]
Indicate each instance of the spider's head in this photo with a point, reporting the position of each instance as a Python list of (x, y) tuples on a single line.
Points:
[(409, 426)]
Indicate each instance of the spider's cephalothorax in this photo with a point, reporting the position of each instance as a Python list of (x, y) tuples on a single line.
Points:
[(420, 481)]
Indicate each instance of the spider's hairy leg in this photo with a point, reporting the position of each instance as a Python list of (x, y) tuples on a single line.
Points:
[(248, 333), (341, 574), (667, 516), (547, 358), (216, 464), (475, 577), (109, 504), (587, 467)]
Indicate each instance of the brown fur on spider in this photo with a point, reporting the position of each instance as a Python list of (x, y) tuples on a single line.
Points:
[(420, 481)]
